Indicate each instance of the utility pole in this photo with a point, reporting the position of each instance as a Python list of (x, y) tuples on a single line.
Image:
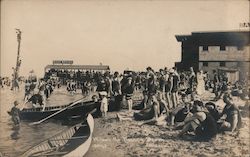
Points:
[(18, 61)]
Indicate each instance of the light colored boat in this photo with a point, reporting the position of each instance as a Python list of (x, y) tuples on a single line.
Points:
[(73, 142)]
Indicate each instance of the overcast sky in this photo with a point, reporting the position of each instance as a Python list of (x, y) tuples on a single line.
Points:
[(122, 34)]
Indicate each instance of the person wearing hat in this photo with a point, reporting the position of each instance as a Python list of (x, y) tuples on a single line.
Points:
[(15, 113), (104, 103), (232, 114)]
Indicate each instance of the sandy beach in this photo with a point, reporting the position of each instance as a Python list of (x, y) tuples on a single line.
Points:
[(129, 138)]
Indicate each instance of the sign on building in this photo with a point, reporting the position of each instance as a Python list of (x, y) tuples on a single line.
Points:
[(63, 62)]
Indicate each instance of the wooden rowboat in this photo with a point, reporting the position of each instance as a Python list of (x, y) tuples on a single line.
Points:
[(80, 107), (73, 142)]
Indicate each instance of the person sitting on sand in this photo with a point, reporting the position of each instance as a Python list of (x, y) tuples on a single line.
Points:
[(15, 113), (193, 122), (181, 112), (163, 106), (211, 107), (152, 112), (143, 103), (156, 107), (232, 114)]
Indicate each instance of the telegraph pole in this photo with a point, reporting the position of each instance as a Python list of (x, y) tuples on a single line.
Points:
[(18, 61)]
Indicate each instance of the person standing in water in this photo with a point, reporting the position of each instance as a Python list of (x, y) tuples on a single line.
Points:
[(15, 111)]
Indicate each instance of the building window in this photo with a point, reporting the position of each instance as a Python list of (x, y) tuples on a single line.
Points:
[(205, 48), (222, 48), (222, 64), (205, 64)]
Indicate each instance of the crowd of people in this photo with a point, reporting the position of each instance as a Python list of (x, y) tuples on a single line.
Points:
[(177, 96), (166, 93), (5, 82)]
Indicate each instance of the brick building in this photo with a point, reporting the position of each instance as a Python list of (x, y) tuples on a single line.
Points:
[(220, 51)]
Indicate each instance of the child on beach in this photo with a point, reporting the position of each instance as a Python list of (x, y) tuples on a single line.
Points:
[(104, 103)]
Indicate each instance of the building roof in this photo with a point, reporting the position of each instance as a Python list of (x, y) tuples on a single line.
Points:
[(226, 38), (76, 67)]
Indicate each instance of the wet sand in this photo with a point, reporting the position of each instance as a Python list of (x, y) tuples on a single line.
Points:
[(127, 138)]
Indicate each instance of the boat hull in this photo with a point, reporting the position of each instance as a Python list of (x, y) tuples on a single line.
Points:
[(74, 141), (83, 149), (78, 110)]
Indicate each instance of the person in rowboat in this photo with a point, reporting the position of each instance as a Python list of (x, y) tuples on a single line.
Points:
[(27, 90)]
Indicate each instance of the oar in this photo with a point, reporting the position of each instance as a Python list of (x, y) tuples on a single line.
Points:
[(23, 105), (52, 115)]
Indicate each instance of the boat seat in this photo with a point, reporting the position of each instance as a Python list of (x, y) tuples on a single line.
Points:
[(50, 144), (74, 117)]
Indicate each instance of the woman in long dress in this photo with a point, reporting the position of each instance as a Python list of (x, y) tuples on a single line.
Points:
[(200, 83)]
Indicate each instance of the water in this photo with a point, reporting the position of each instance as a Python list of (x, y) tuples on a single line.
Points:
[(15, 140)]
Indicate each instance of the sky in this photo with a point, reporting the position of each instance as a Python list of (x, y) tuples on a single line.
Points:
[(122, 34)]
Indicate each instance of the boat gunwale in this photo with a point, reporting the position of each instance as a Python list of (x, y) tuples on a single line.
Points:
[(79, 125), (56, 108)]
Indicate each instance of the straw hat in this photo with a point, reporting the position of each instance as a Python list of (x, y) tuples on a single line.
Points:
[(129, 78), (171, 71), (103, 93)]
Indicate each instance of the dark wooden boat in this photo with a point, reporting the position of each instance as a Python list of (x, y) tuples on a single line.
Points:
[(80, 108), (73, 142)]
